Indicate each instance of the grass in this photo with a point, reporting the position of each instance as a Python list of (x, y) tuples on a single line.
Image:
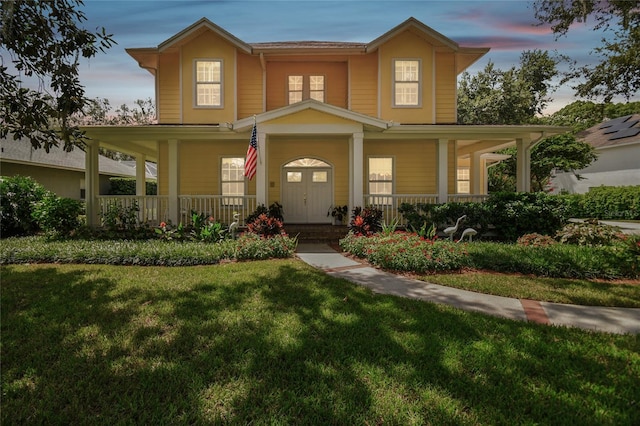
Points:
[(558, 290), (277, 342)]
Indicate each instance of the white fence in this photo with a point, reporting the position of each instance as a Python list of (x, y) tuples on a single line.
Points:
[(389, 204), (150, 209), (221, 208)]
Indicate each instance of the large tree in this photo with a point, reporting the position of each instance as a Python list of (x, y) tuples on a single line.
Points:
[(581, 115), (618, 71), (44, 40), (514, 96)]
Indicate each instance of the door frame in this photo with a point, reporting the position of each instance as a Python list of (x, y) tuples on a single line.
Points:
[(329, 166)]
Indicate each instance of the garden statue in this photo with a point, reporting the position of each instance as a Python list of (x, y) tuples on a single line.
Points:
[(470, 232), (453, 229), (234, 225)]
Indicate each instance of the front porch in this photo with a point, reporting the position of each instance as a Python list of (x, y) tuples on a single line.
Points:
[(155, 209)]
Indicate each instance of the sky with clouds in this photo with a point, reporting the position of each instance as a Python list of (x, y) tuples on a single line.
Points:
[(506, 26)]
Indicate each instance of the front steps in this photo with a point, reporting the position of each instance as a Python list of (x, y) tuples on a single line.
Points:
[(316, 233)]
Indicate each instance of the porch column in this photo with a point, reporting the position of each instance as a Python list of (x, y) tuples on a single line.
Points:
[(141, 175), (356, 171), (174, 176), (92, 182), (261, 171), (476, 173), (523, 165), (443, 172)]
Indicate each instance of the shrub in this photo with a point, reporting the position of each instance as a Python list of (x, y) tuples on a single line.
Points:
[(367, 221), (127, 186), (536, 240), (119, 217), (58, 216), (254, 247), (517, 213), (18, 195), (403, 251), (604, 202), (588, 234), (421, 215), (205, 228), (273, 211), (266, 226)]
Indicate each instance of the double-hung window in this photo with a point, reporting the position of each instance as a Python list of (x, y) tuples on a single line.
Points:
[(232, 179), (302, 87), (463, 180), (208, 83), (381, 179), (406, 82)]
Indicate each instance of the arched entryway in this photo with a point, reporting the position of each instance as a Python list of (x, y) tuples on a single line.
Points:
[(307, 190)]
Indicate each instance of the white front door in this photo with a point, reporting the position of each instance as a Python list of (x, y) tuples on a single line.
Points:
[(306, 194)]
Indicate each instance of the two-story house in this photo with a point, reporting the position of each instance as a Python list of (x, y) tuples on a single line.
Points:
[(337, 124)]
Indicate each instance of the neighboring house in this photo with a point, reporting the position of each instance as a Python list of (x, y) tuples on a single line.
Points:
[(58, 171), (617, 143), (338, 123)]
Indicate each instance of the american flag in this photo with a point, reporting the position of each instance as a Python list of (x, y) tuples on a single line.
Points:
[(251, 162)]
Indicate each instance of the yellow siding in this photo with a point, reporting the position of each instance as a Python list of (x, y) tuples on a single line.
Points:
[(200, 165), (407, 45), (169, 89), (334, 151), (249, 86), (310, 117), (364, 84), (208, 46), (445, 88), (415, 164), (335, 80)]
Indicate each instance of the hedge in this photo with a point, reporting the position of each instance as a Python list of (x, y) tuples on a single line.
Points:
[(127, 186)]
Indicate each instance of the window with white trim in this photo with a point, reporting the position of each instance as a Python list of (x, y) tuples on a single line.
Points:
[(381, 179), (301, 87), (406, 82), (232, 180), (208, 83), (464, 186)]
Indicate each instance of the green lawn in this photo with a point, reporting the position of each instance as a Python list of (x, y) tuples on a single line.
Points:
[(277, 342)]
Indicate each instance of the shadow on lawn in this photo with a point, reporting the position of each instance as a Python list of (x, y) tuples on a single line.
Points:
[(288, 345)]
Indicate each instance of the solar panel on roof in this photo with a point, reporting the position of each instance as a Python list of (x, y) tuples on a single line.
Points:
[(626, 133), (614, 122), (620, 126)]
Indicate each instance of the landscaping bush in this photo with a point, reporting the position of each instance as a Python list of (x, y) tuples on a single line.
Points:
[(366, 221), (588, 234), (621, 202), (518, 213), (58, 216), (444, 215), (206, 229), (18, 196), (266, 226), (273, 211), (147, 253), (127, 186), (405, 252), (536, 240), (557, 260), (252, 246)]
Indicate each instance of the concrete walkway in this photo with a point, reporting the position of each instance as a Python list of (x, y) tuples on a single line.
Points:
[(611, 320)]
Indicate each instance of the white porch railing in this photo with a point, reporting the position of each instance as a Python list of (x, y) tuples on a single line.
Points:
[(221, 208), (154, 209), (389, 204)]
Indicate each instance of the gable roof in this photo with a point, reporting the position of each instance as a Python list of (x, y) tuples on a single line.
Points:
[(619, 131), (147, 56), (21, 152), (311, 104)]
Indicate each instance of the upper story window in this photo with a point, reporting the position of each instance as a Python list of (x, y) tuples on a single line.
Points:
[(406, 82), (208, 82), (306, 87)]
